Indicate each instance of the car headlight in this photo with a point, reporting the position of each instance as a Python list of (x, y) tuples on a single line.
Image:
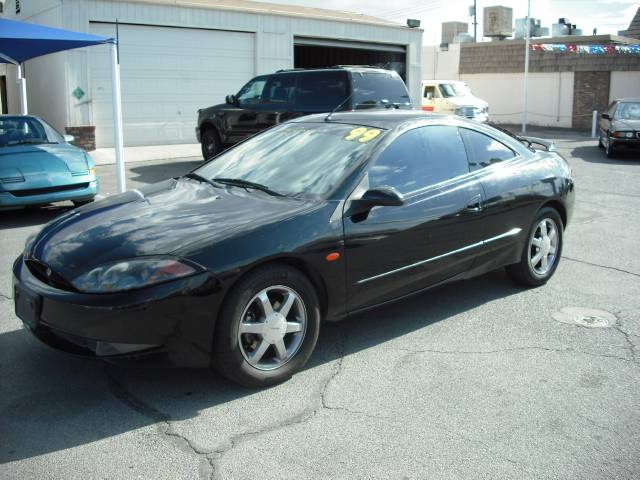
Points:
[(134, 273), (622, 134)]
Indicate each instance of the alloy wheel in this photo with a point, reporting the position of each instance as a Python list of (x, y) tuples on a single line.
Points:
[(272, 327), (543, 247)]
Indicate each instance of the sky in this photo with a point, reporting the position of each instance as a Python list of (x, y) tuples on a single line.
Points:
[(608, 16)]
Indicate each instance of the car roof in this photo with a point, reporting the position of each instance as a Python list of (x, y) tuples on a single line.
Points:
[(628, 100), (442, 81), (378, 118), (350, 68)]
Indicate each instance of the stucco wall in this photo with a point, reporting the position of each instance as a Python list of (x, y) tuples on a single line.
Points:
[(440, 64), (624, 85), (550, 96)]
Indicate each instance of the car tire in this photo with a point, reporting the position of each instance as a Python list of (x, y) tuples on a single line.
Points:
[(609, 150), (250, 346), (211, 144), (542, 251)]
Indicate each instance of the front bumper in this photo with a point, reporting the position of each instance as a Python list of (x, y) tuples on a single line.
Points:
[(632, 143), (176, 317), (11, 200)]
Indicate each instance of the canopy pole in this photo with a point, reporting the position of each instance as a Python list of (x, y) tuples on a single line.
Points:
[(117, 117), (23, 89)]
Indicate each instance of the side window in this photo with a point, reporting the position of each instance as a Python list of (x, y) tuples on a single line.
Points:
[(279, 90), (251, 93), (484, 150), (429, 92), (612, 108), (419, 158), (321, 91)]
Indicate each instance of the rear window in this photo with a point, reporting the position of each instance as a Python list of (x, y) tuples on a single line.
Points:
[(321, 91), (372, 87)]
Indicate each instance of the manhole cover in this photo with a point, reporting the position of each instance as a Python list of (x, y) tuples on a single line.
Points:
[(585, 317)]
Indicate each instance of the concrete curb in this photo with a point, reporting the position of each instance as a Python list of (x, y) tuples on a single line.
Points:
[(106, 156)]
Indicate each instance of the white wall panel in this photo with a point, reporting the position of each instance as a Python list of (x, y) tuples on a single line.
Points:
[(166, 75), (624, 85), (550, 96)]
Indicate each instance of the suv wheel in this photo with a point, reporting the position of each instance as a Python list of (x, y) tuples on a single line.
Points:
[(210, 143)]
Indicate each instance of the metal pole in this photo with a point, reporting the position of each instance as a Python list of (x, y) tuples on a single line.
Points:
[(594, 123), (117, 117), (526, 68), (23, 89), (475, 21)]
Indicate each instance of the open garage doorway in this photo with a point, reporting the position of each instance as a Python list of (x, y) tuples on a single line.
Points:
[(317, 53)]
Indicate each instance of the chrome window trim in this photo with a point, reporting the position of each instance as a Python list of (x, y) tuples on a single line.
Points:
[(510, 233)]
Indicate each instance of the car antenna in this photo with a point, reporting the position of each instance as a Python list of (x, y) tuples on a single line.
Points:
[(328, 117)]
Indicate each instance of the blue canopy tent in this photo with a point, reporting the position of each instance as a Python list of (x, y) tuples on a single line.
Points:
[(20, 41)]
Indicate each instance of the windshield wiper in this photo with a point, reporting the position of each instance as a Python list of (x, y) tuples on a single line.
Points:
[(200, 178), (239, 182), (28, 142)]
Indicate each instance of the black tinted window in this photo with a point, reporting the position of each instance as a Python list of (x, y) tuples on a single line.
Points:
[(484, 150), (419, 158), (279, 89), (321, 91), (370, 88)]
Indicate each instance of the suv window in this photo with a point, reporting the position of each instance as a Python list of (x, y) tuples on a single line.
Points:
[(419, 158), (251, 93), (279, 89), (371, 87), (484, 150), (321, 91)]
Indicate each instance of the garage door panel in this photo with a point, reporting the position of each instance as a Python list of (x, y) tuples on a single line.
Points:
[(167, 74)]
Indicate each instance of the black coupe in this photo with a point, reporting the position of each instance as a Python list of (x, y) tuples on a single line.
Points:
[(235, 264)]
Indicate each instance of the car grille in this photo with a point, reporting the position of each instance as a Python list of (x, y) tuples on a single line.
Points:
[(41, 191), (39, 270), (637, 134)]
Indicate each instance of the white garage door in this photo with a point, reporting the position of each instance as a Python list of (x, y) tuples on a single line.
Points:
[(167, 74)]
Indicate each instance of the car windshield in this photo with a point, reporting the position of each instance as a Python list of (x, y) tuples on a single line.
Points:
[(26, 130), (454, 90), (296, 159), (628, 111)]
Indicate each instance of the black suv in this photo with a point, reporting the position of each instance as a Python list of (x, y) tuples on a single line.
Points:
[(268, 100)]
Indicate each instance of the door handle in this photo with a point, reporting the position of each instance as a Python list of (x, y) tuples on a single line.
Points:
[(474, 205)]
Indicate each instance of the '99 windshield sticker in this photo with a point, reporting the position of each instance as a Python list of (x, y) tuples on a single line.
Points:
[(362, 134)]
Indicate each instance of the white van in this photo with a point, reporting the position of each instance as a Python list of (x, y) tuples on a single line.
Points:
[(453, 97)]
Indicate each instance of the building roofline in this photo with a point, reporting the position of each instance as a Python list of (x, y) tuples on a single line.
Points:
[(249, 6), (569, 39)]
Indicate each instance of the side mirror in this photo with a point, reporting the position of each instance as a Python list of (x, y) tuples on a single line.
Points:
[(69, 138), (375, 197), (231, 100), (606, 116)]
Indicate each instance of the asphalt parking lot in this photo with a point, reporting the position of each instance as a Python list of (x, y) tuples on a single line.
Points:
[(478, 379)]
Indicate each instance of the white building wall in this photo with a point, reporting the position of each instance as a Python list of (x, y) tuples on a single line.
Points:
[(550, 97), (441, 64), (624, 85), (274, 40)]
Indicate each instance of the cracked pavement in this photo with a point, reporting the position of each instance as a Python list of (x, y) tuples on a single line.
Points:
[(472, 380)]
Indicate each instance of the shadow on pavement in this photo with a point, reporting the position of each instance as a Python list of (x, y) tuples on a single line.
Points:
[(27, 217), (594, 154), (59, 401), (162, 171)]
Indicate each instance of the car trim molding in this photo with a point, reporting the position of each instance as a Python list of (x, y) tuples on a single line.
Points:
[(510, 233)]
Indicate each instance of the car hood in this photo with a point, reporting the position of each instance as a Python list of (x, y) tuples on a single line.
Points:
[(625, 125), (36, 160), (156, 220), (468, 101)]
